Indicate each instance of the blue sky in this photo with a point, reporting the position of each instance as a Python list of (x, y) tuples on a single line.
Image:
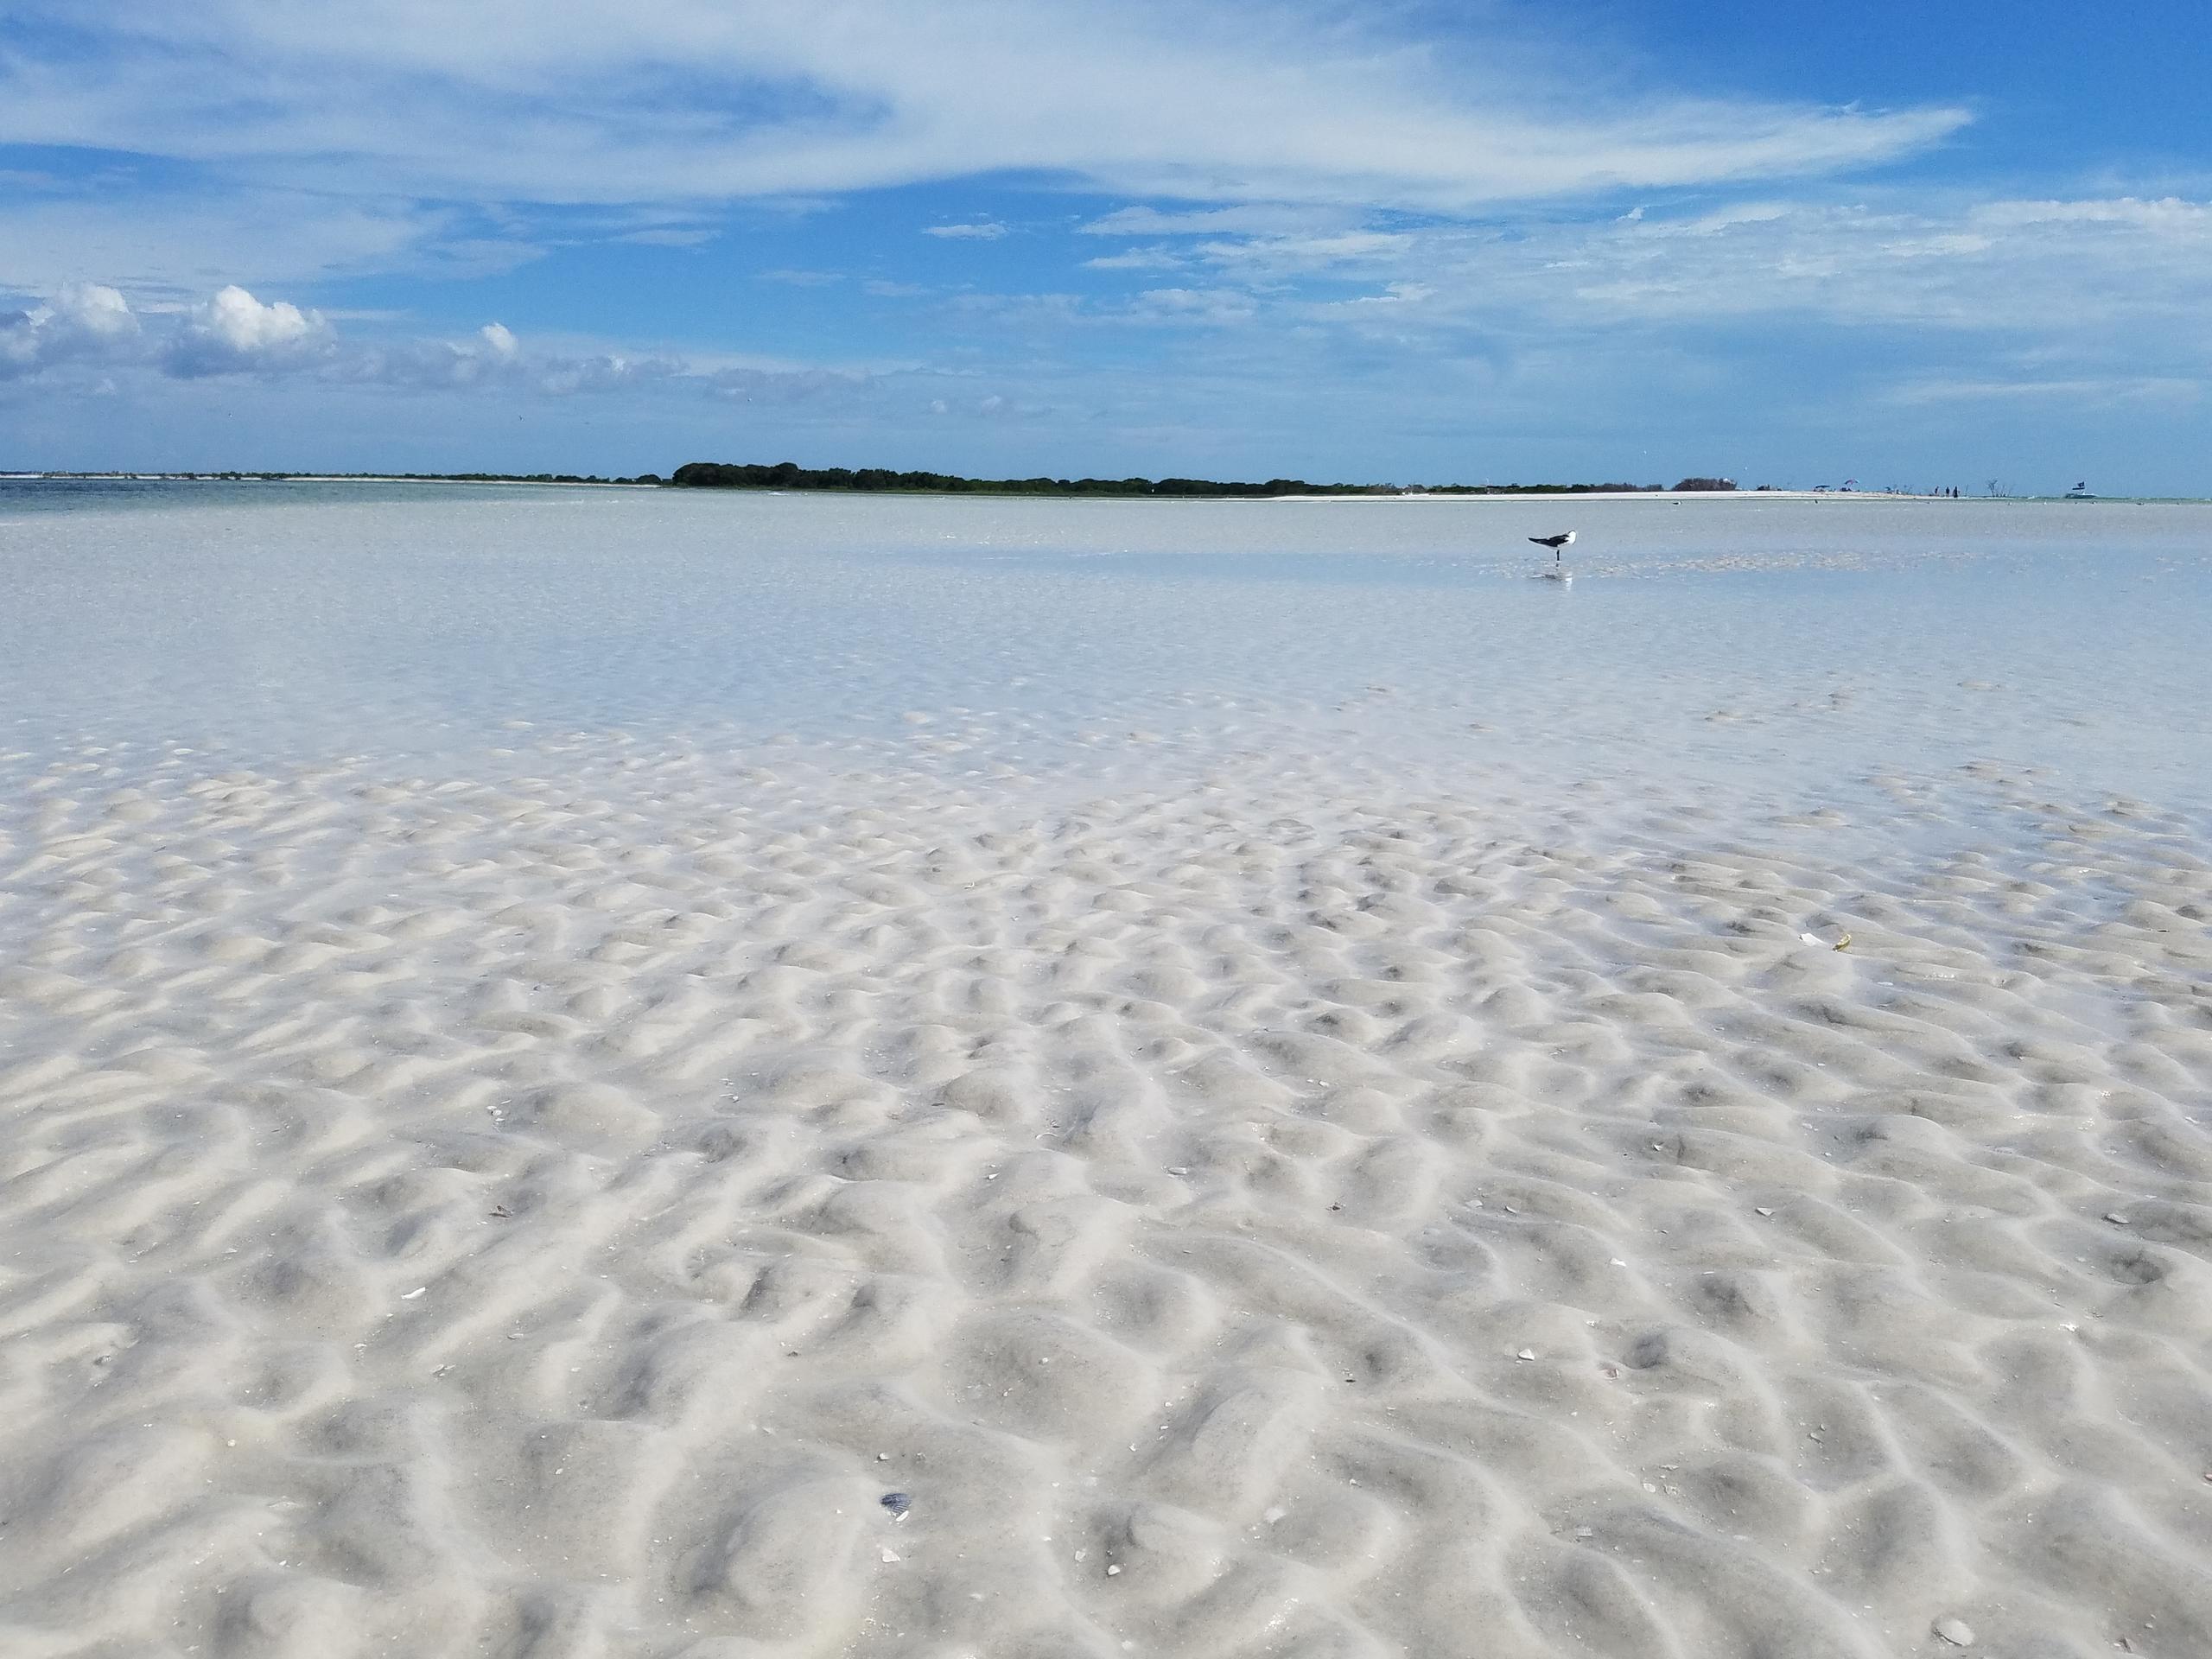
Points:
[(1489, 241)]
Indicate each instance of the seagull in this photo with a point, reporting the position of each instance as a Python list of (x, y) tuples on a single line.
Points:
[(1558, 572)]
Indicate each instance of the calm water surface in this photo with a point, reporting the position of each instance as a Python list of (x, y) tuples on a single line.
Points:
[(1795, 648)]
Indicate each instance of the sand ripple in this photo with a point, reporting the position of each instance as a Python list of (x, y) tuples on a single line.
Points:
[(549, 1216)]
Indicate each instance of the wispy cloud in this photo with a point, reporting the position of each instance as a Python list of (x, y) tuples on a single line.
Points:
[(1207, 307), (195, 237), (1261, 219), (1964, 265), (2092, 391), (669, 236), (689, 100), (1152, 258), (1974, 266), (987, 232), (1396, 293)]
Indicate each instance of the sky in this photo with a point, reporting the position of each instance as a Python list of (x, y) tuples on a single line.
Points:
[(1793, 243)]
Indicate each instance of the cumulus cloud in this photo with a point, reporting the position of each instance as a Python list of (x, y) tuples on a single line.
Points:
[(234, 332), (630, 101), (491, 355), (83, 323), (495, 358), (89, 330)]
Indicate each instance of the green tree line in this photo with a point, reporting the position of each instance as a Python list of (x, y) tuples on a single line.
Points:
[(789, 475)]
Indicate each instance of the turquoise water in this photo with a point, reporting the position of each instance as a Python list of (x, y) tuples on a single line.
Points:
[(1793, 648)]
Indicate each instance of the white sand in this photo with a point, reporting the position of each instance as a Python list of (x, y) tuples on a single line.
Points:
[(546, 1217)]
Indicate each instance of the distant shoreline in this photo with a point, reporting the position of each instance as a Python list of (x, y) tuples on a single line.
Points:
[(873, 481), (981, 489), (563, 480)]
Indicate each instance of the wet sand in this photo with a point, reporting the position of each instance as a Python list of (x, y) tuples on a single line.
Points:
[(636, 1201)]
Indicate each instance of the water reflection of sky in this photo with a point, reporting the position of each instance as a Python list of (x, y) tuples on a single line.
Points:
[(1803, 644)]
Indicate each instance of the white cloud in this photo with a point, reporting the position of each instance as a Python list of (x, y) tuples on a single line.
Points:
[(1289, 254), (2091, 392), (83, 323), (187, 242), (80, 335), (688, 100), (1976, 267), (669, 236), (235, 333), (1025, 310), (2167, 215), (1396, 293), (2052, 267), (1217, 308), (787, 386), (1259, 219), (988, 232), (1152, 258), (238, 322)]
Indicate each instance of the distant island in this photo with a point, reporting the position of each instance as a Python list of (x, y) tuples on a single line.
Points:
[(789, 475)]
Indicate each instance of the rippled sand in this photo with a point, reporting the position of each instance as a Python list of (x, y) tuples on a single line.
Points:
[(552, 1214)]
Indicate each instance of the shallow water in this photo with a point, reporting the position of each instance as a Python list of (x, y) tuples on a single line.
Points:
[(1783, 652), (1265, 1071)]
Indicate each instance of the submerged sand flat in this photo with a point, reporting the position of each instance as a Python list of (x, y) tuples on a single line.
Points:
[(549, 1213)]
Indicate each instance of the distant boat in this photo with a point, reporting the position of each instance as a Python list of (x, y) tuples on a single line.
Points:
[(2079, 493)]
